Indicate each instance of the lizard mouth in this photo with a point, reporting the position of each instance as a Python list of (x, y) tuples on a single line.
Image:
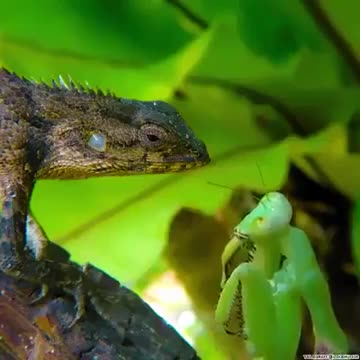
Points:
[(196, 157), (181, 162), (195, 154), (201, 159)]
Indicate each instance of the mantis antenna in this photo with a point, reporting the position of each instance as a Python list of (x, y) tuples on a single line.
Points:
[(230, 188), (260, 173), (220, 185)]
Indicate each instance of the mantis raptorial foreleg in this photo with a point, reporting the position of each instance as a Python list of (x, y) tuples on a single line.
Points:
[(265, 293)]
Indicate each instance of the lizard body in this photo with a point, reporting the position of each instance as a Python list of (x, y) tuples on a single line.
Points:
[(68, 132)]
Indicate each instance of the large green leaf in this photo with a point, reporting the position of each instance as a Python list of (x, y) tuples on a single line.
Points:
[(150, 82), (119, 32), (240, 78), (277, 29), (345, 20)]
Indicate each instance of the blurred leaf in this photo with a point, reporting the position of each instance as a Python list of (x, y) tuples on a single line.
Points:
[(277, 29), (194, 247), (151, 82), (237, 60), (131, 30), (344, 17), (329, 149), (319, 107), (317, 70), (207, 348), (209, 10), (154, 271)]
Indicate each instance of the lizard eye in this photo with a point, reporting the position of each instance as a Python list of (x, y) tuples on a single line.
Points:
[(152, 135), (97, 142)]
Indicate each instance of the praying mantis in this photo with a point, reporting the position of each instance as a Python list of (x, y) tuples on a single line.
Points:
[(269, 270)]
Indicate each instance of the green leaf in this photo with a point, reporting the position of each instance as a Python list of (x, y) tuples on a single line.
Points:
[(151, 82), (345, 20), (329, 149), (130, 32), (277, 29), (207, 348), (236, 58)]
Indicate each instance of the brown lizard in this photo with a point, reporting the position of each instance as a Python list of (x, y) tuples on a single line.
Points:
[(68, 132)]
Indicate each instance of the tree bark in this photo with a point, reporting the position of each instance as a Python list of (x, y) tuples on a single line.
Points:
[(129, 329)]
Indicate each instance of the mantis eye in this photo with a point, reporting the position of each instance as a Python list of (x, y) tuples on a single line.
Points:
[(259, 220), (97, 142)]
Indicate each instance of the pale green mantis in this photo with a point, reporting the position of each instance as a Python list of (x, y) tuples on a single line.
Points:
[(262, 294)]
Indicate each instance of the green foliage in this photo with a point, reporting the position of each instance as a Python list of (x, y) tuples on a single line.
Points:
[(147, 50), (277, 29)]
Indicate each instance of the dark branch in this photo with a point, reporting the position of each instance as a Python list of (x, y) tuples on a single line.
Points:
[(41, 330), (189, 14), (325, 25)]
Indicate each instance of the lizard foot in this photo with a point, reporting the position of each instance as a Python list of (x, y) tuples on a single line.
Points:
[(49, 274), (44, 290), (79, 295)]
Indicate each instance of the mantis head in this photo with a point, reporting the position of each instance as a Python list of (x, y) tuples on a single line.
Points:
[(270, 218), (267, 222)]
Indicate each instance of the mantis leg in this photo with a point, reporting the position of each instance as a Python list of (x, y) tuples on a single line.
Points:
[(288, 312), (314, 289), (257, 306)]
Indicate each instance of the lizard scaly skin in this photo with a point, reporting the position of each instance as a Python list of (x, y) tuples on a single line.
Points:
[(45, 133)]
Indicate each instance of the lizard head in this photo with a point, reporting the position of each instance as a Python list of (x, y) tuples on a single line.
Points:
[(101, 135)]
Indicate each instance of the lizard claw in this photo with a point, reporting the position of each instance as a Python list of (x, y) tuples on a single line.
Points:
[(44, 290), (80, 302)]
